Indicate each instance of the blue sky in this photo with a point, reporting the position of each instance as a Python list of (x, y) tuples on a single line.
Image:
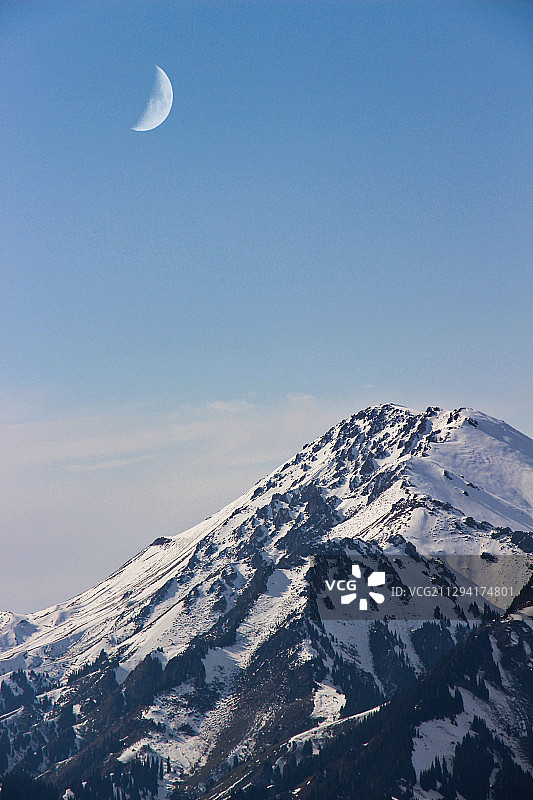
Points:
[(335, 213)]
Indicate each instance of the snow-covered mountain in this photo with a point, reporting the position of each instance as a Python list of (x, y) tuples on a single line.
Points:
[(208, 651)]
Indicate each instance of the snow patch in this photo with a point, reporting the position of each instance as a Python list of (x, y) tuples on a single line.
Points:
[(328, 703)]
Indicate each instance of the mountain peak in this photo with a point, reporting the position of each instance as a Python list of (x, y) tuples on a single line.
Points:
[(443, 479), (189, 633)]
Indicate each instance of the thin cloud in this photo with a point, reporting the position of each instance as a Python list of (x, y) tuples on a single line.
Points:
[(113, 464)]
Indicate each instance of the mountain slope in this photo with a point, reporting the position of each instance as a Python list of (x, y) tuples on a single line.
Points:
[(463, 730), (381, 472), (214, 648)]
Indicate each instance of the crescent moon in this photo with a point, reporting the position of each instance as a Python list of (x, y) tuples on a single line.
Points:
[(159, 103)]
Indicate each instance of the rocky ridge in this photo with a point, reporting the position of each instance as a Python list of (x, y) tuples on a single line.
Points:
[(206, 651)]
